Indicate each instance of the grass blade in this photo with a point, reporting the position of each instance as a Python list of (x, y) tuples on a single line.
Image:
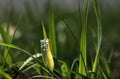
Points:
[(44, 31), (99, 33), (82, 65), (105, 67), (52, 35), (29, 60), (15, 47), (40, 76), (78, 46)]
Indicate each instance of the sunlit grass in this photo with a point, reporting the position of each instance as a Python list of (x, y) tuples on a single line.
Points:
[(83, 40)]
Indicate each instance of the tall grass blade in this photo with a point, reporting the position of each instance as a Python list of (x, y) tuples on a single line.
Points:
[(82, 65), (99, 33), (52, 35)]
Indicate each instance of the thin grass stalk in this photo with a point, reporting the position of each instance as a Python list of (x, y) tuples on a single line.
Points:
[(99, 33)]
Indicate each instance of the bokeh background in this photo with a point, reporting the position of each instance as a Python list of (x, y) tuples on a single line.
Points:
[(28, 15)]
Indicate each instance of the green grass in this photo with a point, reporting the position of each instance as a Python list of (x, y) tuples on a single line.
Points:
[(38, 65), (83, 45), (52, 34), (99, 34)]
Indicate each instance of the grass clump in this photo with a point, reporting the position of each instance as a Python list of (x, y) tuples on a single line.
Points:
[(47, 64)]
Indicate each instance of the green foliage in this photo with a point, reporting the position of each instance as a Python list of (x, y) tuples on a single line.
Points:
[(3, 74), (44, 31), (6, 38), (83, 39), (52, 34), (35, 65), (105, 67), (99, 34)]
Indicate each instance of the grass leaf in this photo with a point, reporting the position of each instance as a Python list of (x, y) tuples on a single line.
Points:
[(52, 35), (83, 64), (99, 33), (44, 31), (30, 59), (6, 38)]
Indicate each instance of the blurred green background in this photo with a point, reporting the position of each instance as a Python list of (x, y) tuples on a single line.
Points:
[(28, 15)]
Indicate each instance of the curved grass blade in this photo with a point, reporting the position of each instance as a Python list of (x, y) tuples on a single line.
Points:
[(15, 47), (29, 67), (29, 60), (75, 65), (41, 76)]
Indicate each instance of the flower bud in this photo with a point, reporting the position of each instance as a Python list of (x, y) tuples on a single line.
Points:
[(47, 55)]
